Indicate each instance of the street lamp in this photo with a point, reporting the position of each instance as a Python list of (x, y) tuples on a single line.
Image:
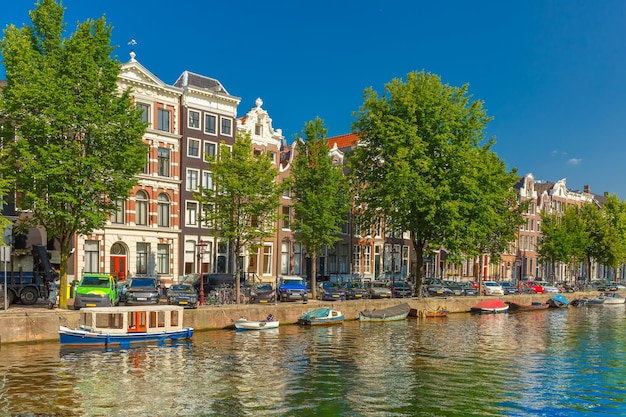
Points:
[(200, 248)]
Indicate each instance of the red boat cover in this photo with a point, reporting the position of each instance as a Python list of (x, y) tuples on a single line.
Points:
[(491, 304)]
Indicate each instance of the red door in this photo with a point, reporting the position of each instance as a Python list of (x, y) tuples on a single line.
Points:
[(118, 267)]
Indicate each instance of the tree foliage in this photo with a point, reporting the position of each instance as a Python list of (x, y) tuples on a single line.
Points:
[(424, 164), (321, 195), (77, 141), (243, 205)]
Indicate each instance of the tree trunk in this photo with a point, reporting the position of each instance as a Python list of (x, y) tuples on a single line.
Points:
[(64, 242), (314, 275), (419, 245), (235, 259)]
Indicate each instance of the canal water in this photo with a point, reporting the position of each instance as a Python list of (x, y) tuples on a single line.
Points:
[(543, 363)]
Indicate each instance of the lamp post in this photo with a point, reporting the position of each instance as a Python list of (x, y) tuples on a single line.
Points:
[(200, 246)]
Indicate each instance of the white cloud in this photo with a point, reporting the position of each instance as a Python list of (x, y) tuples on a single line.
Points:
[(575, 161)]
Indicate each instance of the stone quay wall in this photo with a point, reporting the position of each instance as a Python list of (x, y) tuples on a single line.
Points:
[(38, 324)]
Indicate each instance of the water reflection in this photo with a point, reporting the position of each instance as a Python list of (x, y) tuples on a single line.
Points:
[(557, 363)]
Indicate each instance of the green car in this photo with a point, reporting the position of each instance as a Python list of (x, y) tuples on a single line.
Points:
[(96, 290)]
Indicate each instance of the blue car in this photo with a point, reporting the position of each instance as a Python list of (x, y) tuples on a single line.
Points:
[(330, 291)]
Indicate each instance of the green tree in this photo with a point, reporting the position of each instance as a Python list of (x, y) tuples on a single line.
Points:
[(422, 162), (78, 139), (321, 195), (243, 206), (563, 238)]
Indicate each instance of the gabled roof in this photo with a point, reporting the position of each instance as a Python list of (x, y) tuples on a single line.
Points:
[(190, 79), (349, 140)]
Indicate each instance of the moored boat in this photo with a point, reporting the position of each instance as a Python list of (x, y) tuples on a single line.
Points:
[(513, 306), (440, 312), (322, 315), (398, 312), (559, 301), (612, 298), (243, 323), (490, 307), (112, 326)]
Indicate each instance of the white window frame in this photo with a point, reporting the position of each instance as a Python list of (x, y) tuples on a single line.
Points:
[(207, 180), (206, 125), (229, 121), (198, 153), (189, 124), (189, 181), (205, 151), (266, 258), (191, 213)]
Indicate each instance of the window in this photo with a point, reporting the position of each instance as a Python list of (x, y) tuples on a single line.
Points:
[(193, 148), (207, 180), (141, 208), (356, 264), (145, 112), (194, 119), (258, 129), (163, 259), (146, 167), (226, 126), (91, 256), (287, 193), (164, 162), (267, 260), (210, 124), (192, 179), (367, 258), (209, 150), (163, 210), (284, 258), (286, 217), (143, 249), (297, 258), (191, 213), (163, 120), (119, 217), (253, 260), (207, 214)]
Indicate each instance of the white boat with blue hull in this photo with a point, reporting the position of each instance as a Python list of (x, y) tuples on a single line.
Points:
[(123, 326)]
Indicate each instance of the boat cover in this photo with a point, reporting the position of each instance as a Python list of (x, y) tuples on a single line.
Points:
[(388, 312), (317, 313)]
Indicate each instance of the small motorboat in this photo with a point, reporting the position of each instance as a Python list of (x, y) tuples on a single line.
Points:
[(612, 298), (534, 306), (490, 307), (123, 326), (594, 301), (440, 312), (398, 312), (322, 315), (559, 301), (243, 323)]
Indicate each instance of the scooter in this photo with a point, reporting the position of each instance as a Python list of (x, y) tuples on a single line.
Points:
[(53, 294)]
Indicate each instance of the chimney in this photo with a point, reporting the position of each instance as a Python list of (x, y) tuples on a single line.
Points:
[(586, 189)]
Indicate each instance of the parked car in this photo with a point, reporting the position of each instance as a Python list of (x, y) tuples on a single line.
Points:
[(183, 295), (401, 289), (293, 288), (455, 288), (330, 291), (142, 290), (210, 281), (492, 288), (468, 289), (533, 287), (262, 293), (355, 290), (548, 288), (435, 288), (378, 289), (606, 286), (509, 288), (96, 290)]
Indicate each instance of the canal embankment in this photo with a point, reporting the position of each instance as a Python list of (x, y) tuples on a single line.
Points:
[(38, 324)]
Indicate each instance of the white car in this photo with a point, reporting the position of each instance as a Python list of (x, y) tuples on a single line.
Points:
[(492, 288)]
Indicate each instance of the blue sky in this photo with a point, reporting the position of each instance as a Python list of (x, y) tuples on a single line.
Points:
[(551, 73)]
